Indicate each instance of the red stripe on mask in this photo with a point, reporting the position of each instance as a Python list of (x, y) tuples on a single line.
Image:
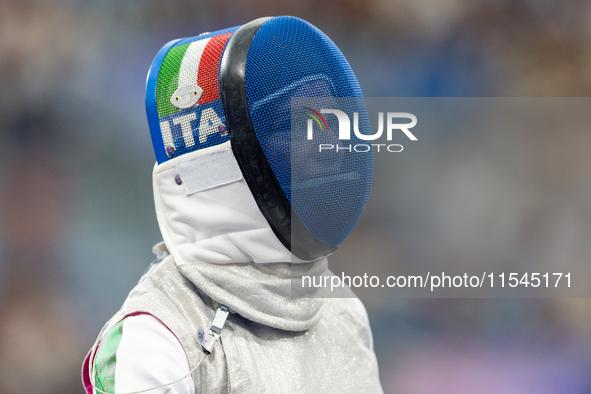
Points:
[(207, 78)]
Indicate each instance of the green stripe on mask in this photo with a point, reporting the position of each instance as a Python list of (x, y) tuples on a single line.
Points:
[(168, 79)]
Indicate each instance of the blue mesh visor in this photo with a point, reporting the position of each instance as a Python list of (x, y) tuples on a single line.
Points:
[(296, 79)]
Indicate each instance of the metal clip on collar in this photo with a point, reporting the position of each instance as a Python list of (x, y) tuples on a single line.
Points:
[(208, 339)]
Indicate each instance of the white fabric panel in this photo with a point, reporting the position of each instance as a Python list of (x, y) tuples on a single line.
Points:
[(149, 355), (220, 225), (208, 171)]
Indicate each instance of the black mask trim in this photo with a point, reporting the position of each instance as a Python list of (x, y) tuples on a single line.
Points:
[(263, 184)]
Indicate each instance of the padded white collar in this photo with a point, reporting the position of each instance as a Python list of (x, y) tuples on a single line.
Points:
[(212, 216), (220, 240)]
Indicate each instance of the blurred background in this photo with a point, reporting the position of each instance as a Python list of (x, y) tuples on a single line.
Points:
[(76, 212)]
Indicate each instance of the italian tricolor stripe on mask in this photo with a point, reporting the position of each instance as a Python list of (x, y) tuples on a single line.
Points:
[(192, 61)]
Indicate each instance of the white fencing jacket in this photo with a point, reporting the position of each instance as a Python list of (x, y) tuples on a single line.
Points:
[(222, 251)]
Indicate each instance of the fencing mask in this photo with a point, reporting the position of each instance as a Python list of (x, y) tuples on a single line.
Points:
[(286, 98)]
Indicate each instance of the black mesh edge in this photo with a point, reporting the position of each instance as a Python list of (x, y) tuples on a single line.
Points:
[(257, 171)]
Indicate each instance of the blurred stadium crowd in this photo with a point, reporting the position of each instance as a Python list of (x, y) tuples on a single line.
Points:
[(76, 211)]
